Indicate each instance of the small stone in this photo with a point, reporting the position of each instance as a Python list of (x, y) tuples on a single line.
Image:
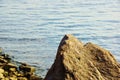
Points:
[(27, 68), (1, 76), (8, 66), (6, 78), (34, 77), (3, 60), (5, 73), (20, 74), (1, 57), (12, 69), (12, 78), (22, 78), (6, 57), (1, 70), (1, 50)]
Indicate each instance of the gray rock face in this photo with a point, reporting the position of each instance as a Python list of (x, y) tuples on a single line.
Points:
[(76, 61)]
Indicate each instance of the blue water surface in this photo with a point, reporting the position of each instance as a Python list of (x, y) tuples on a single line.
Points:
[(30, 30)]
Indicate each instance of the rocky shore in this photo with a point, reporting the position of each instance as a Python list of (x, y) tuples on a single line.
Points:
[(74, 61), (9, 70), (78, 61)]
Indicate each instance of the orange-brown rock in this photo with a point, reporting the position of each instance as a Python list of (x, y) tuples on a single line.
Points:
[(76, 61)]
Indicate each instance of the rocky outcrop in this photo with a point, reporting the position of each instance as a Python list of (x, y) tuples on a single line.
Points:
[(78, 61), (10, 71)]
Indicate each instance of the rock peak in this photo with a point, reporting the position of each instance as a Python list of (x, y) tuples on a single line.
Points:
[(76, 61), (69, 38)]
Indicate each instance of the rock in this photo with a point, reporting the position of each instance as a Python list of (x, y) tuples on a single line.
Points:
[(1, 50), (76, 61), (8, 66), (6, 79), (1, 76), (26, 68), (3, 60), (12, 78), (34, 77), (22, 78), (9, 70), (12, 69), (1, 70), (6, 57), (6, 74)]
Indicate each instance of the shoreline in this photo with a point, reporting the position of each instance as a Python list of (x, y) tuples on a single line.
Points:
[(74, 61), (10, 70)]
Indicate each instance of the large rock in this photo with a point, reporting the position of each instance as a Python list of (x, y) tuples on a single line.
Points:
[(76, 61)]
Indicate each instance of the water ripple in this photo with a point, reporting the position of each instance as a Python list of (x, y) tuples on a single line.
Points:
[(31, 30)]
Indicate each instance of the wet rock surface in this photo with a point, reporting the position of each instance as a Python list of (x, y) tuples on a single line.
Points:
[(10, 71), (78, 61)]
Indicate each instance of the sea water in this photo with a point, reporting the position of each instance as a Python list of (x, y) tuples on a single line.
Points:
[(30, 30)]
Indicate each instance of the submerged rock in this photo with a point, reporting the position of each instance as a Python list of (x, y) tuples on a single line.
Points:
[(76, 61)]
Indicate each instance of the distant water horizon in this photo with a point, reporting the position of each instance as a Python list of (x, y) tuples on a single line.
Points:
[(31, 30)]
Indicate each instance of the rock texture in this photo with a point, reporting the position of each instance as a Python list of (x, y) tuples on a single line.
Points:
[(76, 61), (10, 71)]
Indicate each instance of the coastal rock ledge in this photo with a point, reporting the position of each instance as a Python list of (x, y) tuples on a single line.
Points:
[(78, 61), (10, 70)]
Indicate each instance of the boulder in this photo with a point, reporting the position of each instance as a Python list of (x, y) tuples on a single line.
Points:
[(78, 61)]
